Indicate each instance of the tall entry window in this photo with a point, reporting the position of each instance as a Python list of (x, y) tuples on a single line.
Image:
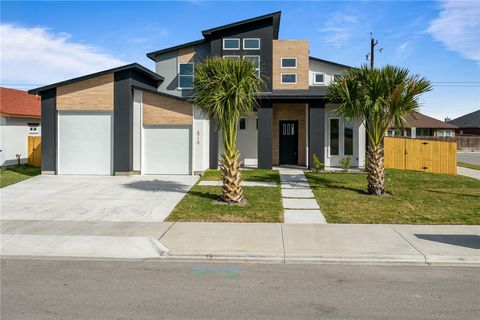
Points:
[(334, 136)]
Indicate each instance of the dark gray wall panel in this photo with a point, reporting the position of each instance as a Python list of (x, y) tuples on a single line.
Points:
[(123, 123), (316, 132), (265, 120), (49, 130)]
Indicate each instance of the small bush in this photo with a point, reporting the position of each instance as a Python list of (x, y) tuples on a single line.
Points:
[(345, 163), (317, 165)]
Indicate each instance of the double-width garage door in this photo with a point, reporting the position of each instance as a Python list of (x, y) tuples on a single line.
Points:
[(85, 143), (166, 149)]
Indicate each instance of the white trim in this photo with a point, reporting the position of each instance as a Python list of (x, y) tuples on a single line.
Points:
[(281, 78), (223, 44), (231, 56), (243, 43), (246, 124), (254, 56), (281, 62), (307, 140), (178, 74), (315, 76)]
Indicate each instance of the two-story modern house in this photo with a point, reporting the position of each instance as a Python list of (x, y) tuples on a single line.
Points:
[(130, 119)]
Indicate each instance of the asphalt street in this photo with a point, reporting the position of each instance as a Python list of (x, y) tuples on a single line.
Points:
[(56, 289), (469, 157)]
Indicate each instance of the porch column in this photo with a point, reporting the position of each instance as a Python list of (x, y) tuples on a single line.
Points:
[(264, 145), (316, 132)]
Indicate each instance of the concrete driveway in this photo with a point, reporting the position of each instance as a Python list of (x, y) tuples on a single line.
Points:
[(94, 198)]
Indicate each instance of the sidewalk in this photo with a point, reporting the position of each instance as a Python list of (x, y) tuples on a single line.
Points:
[(281, 243), (475, 174)]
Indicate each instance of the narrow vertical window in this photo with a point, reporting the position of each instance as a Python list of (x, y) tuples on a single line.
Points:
[(334, 136), (348, 139)]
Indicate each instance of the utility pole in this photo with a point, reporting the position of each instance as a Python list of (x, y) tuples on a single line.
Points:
[(373, 43)]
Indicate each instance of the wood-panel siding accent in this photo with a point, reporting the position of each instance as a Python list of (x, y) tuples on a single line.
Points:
[(34, 151), (186, 54), (94, 94), (421, 155), (290, 49), (288, 112), (161, 110)]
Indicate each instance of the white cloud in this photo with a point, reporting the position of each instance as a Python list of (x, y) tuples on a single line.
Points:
[(457, 27), (338, 29), (404, 50), (38, 56)]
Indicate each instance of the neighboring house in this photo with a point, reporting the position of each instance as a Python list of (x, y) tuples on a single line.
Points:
[(419, 125), (130, 119), (468, 124), (19, 118)]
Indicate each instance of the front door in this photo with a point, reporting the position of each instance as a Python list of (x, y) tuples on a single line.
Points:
[(288, 142)]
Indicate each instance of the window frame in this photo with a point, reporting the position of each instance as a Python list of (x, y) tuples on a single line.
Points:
[(283, 58), (330, 136), (259, 59), (223, 43), (246, 123), (231, 56), (335, 75), (289, 73), (243, 43), (315, 78), (186, 75)]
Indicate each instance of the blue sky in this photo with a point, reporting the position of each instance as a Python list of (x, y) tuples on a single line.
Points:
[(44, 42)]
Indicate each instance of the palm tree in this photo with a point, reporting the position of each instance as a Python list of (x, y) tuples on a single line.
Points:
[(381, 98), (225, 90)]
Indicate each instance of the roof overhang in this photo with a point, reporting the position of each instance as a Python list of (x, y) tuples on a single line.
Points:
[(133, 66)]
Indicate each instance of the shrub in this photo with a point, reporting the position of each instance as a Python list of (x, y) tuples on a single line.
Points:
[(345, 163), (317, 165)]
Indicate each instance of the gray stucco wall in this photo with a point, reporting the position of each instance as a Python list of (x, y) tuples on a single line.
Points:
[(49, 131), (123, 123), (316, 120), (265, 119)]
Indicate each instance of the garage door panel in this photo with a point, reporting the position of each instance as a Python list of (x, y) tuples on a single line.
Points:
[(166, 150), (85, 143)]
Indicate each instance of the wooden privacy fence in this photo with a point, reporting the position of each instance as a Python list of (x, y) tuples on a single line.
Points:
[(34, 151), (420, 155)]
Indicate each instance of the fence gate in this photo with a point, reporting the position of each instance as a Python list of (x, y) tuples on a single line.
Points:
[(34, 151), (421, 155)]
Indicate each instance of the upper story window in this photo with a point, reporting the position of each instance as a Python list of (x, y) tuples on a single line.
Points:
[(318, 78), (185, 75), (336, 76), (256, 62), (231, 44), (289, 62), (289, 78), (251, 44), (231, 57)]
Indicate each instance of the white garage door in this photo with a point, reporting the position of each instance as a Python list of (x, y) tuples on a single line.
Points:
[(166, 150), (85, 143)]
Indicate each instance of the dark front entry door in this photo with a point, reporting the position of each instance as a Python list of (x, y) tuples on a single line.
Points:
[(288, 142)]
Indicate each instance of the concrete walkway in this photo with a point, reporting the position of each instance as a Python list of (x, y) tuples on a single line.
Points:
[(475, 174), (299, 203), (273, 242)]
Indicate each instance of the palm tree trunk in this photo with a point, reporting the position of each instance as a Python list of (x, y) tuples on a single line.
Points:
[(232, 190), (376, 170)]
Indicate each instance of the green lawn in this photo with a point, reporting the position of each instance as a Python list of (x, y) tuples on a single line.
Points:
[(415, 198), (468, 165), (264, 204), (13, 175)]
